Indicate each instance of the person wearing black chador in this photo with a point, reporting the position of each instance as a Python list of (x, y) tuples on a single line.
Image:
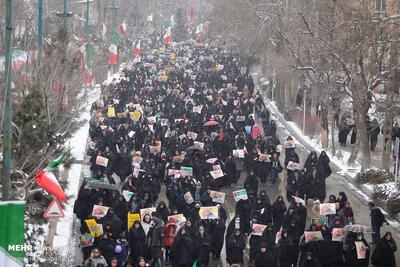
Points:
[(235, 246), (383, 255), (278, 212), (264, 257)]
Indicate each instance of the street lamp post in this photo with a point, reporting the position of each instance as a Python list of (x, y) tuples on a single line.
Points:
[(40, 41), (87, 20), (7, 106), (65, 13), (304, 110)]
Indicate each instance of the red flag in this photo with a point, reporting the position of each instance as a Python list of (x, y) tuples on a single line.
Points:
[(123, 28), (136, 50), (167, 36)]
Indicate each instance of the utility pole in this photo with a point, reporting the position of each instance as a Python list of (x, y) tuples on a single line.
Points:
[(7, 106), (65, 13), (304, 110), (113, 28), (40, 18)]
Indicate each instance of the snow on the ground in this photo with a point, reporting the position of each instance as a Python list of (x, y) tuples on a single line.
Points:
[(78, 143)]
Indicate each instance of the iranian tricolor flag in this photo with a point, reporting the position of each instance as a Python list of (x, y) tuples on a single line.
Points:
[(167, 36), (104, 31), (136, 50), (87, 65), (46, 179), (113, 51), (123, 28), (199, 30)]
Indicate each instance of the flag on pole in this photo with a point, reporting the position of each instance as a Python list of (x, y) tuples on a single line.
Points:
[(113, 51), (123, 28), (87, 65), (199, 30), (104, 31), (167, 36), (191, 16), (46, 179), (245, 150), (136, 50)]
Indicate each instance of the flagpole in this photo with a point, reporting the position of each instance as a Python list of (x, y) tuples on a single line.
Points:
[(113, 27), (7, 106)]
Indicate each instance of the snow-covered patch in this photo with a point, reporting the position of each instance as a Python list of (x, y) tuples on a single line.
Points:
[(78, 143), (388, 193)]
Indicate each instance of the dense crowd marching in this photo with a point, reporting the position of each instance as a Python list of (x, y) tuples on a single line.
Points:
[(179, 117)]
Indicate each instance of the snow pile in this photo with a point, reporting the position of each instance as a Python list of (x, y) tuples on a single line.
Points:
[(374, 176)]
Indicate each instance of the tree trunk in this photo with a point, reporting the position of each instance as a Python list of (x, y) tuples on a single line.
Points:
[(364, 142), (387, 140), (333, 146), (324, 130)]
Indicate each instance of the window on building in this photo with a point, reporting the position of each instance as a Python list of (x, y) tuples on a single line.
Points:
[(380, 5)]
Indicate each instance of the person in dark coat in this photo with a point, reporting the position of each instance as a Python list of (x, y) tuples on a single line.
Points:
[(351, 259), (137, 241), (162, 211), (373, 132), (286, 250), (235, 246), (383, 255), (276, 167), (344, 130), (377, 220), (217, 232), (202, 248), (181, 251), (107, 247), (155, 240), (251, 183), (268, 236), (324, 161), (264, 257), (310, 261), (84, 203), (278, 212)]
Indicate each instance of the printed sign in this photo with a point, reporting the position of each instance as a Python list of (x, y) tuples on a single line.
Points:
[(132, 217), (209, 213), (240, 118), (111, 112), (217, 197), (198, 144), (196, 109), (149, 211), (361, 250), (186, 171), (127, 195), (100, 211), (192, 135), (290, 144), (152, 119), (313, 236), (264, 157), (86, 240), (258, 229), (178, 159), (240, 194), (319, 221), (188, 198), (93, 228), (211, 160), (173, 172), (238, 153), (216, 167), (89, 180), (327, 208), (293, 166), (177, 219), (216, 174), (279, 148), (337, 234), (102, 161)]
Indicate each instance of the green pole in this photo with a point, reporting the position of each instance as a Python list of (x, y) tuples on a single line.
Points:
[(65, 13), (87, 20), (40, 18), (137, 13), (113, 16), (7, 106), (201, 11)]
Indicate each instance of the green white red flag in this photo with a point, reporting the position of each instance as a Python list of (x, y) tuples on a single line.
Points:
[(113, 51)]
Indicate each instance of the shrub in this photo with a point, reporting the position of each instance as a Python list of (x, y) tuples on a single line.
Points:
[(373, 176), (388, 194)]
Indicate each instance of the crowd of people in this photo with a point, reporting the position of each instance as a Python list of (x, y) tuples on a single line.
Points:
[(185, 118)]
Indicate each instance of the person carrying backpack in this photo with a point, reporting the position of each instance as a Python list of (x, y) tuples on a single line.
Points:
[(377, 220)]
